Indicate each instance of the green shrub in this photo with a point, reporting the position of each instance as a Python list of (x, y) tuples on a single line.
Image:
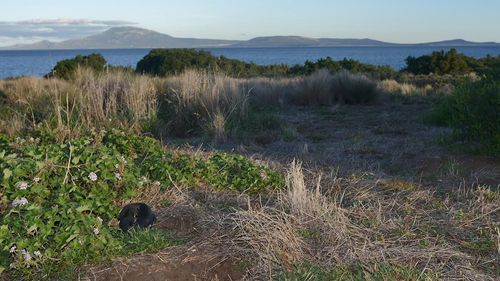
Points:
[(57, 200), (452, 62), (353, 66), (473, 111), (65, 69), (164, 62)]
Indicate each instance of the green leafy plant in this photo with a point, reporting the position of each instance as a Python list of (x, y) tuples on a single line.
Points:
[(65, 69), (58, 201)]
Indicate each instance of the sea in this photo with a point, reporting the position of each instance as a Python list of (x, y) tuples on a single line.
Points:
[(40, 62)]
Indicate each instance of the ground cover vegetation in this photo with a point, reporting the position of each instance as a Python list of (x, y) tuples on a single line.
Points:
[(213, 144)]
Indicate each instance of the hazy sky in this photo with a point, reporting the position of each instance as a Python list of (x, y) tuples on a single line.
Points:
[(402, 21)]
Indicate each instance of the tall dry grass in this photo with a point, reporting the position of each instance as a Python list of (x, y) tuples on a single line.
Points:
[(116, 99), (186, 104), (197, 99), (319, 88), (305, 226)]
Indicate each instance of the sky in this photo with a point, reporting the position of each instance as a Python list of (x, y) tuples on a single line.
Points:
[(401, 21)]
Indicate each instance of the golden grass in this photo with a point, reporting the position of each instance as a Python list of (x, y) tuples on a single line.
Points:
[(306, 226), (209, 99), (117, 99)]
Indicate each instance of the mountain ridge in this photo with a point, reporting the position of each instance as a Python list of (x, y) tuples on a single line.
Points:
[(134, 38)]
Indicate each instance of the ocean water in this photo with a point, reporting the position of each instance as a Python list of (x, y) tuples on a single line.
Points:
[(38, 63)]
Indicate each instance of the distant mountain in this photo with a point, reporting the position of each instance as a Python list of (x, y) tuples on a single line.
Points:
[(297, 41), (134, 38), (459, 43), (127, 38)]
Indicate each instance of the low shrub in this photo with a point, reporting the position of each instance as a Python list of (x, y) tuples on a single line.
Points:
[(65, 69), (353, 66), (473, 112), (58, 201), (452, 63), (165, 62)]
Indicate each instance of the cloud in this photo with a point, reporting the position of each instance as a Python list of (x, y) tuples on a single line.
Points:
[(32, 30)]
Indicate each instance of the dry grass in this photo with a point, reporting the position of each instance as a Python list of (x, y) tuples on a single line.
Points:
[(392, 86), (203, 99), (349, 227), (192, 102), (116, 99), (323, 88)]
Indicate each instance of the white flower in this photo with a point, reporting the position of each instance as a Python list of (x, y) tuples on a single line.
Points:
[(13, 249), (74, 178), (99, 219), (143, 180), (22, 185), (26, 255), (96, 231), (118, 176), (37, 254), (19, 202), (93, 176), (36, 179), (32, 139), (123, 159)]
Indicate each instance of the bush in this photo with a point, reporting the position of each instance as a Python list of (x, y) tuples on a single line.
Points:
[(473, 111), (57, 201), (453, 63), (65, 69), (164, 62), (353, 66)]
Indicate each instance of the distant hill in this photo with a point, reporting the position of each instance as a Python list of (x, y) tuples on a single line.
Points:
[(459, 43), (135, 38), (127, 38), (297, 41)]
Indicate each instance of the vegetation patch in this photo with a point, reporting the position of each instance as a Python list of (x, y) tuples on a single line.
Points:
[(378, 272), (472, 111), (59, 200)]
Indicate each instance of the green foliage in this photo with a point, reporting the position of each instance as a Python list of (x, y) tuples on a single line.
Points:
[(65, 69), (59, 199), (163, 62), (353, 66), (452, 62), (473, 111)]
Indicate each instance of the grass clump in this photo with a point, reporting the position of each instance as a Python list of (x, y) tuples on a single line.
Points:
[(323, 88), (59, 201), (378, 272), (201, 102), (473, 112)]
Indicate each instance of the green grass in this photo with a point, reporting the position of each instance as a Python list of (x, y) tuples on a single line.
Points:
[(379, 272), (473, 112), (133, 242)]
